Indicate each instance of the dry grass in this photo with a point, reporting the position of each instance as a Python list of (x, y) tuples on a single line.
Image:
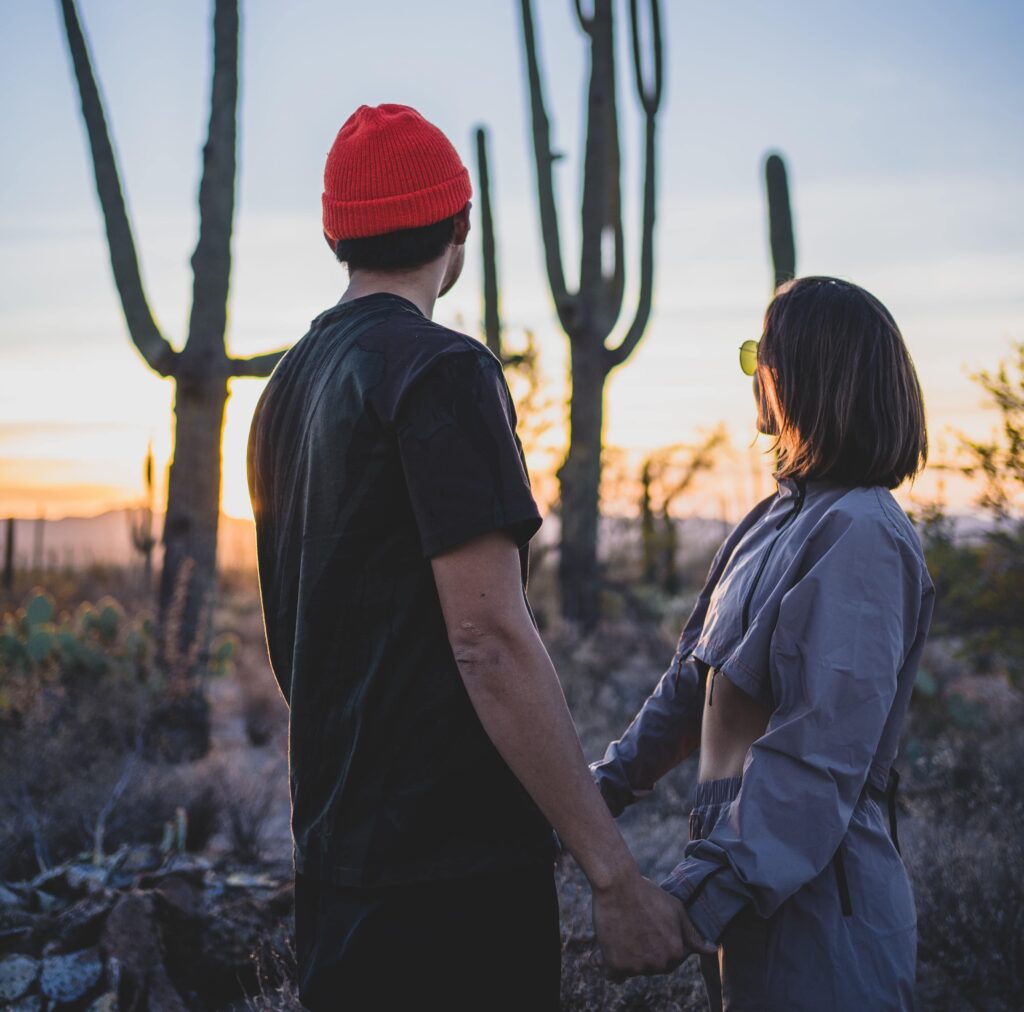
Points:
[(962, 823)]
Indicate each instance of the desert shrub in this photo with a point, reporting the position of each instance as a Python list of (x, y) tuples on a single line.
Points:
[(978, 589), (265, 715), (83, 706), (966, 807), (247, 803), (980, 584)]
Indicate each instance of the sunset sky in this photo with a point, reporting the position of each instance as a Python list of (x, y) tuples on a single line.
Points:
[(902, 126)]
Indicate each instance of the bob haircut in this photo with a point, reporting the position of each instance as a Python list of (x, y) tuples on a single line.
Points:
[(838, 378)]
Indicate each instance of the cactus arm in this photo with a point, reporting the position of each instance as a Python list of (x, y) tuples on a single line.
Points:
[(600, 287), (211, 261), (492, 314), (650, 99), (586, 23), (565, 302), (155, 349), (257, 365), (780, 220), (650, 96)]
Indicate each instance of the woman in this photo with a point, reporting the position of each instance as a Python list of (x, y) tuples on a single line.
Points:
[(793, 676)]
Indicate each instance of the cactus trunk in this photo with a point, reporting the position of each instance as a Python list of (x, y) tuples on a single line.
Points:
[(580, 484), (190, 528), (647, 532), (9, 555), (591, 312)]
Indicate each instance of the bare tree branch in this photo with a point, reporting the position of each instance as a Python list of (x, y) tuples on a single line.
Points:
[(257, 365), (703, 459), (152, 345), (565, 302), (100, 829), (211, 262)]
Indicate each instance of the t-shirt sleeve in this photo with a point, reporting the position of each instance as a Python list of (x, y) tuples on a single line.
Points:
[(463, 463)]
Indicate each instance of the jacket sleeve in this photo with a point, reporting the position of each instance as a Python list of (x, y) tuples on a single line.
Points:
[(839, 644), (661, 735), (667, 728)]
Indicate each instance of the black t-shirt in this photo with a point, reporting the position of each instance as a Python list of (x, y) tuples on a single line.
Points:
[(383, 439)]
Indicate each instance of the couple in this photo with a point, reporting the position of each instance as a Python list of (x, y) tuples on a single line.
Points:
[(431, 749)]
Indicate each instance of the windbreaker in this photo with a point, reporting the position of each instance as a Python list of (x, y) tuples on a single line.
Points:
[(817, 605)]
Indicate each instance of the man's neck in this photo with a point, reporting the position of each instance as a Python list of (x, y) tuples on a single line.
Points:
[(419, 287)]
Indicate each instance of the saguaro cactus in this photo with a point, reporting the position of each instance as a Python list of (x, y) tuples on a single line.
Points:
[(142, 524), (589, 314), (780, 220), (9, 555), (492, 310), (202, 369), (526, 360)]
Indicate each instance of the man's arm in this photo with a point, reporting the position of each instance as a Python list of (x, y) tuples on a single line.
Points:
[(516, 694)]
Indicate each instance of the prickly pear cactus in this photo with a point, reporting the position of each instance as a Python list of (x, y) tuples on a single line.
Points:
[(38, 609), (223, 651), (104, 621)]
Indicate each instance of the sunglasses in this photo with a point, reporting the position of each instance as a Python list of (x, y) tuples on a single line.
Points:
[(748, 357)]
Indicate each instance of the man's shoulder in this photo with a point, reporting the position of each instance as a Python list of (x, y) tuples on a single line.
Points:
[(411, 348), (408, 337)]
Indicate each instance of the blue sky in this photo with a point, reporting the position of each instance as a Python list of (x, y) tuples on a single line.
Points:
[(901, 125)]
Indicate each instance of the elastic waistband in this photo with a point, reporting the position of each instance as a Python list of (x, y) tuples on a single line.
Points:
[(716, 792)]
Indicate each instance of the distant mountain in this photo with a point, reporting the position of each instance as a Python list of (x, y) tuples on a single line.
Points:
[(106, 539)]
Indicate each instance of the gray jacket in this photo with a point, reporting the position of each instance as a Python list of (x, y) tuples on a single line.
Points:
[(818, 605)]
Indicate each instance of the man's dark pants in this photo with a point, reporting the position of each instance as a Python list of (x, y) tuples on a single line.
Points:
[(481, 943)]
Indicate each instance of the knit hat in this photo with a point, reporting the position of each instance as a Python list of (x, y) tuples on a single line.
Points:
[(390, 169)]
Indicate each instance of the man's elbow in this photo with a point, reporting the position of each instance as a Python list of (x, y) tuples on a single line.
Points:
[(486, 651)]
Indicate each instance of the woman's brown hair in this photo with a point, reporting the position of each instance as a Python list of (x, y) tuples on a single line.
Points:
[(838, 377)]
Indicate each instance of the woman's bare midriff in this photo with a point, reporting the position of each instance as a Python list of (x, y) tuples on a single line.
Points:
[(732, 722)]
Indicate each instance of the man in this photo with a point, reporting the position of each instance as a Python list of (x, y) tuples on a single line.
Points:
[(431, 750)]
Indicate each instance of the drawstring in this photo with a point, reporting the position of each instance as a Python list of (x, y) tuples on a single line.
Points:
[(894, 783)]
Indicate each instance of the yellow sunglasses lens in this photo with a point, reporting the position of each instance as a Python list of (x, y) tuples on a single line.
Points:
[(748, 357)]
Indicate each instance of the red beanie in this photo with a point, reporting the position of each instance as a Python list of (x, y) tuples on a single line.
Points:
[(390, 169)]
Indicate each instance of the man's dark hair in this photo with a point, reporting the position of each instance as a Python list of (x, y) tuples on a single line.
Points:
[(404, 250), (840, 380)]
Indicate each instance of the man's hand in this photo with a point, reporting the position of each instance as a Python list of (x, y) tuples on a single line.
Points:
[(642, 929)]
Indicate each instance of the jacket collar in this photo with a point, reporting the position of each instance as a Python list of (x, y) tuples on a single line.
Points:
[(794, 488)]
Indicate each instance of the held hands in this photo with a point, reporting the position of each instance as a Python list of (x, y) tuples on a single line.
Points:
[(642, 929)]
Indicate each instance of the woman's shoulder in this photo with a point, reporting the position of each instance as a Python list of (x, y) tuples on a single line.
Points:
[(872, 515)]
